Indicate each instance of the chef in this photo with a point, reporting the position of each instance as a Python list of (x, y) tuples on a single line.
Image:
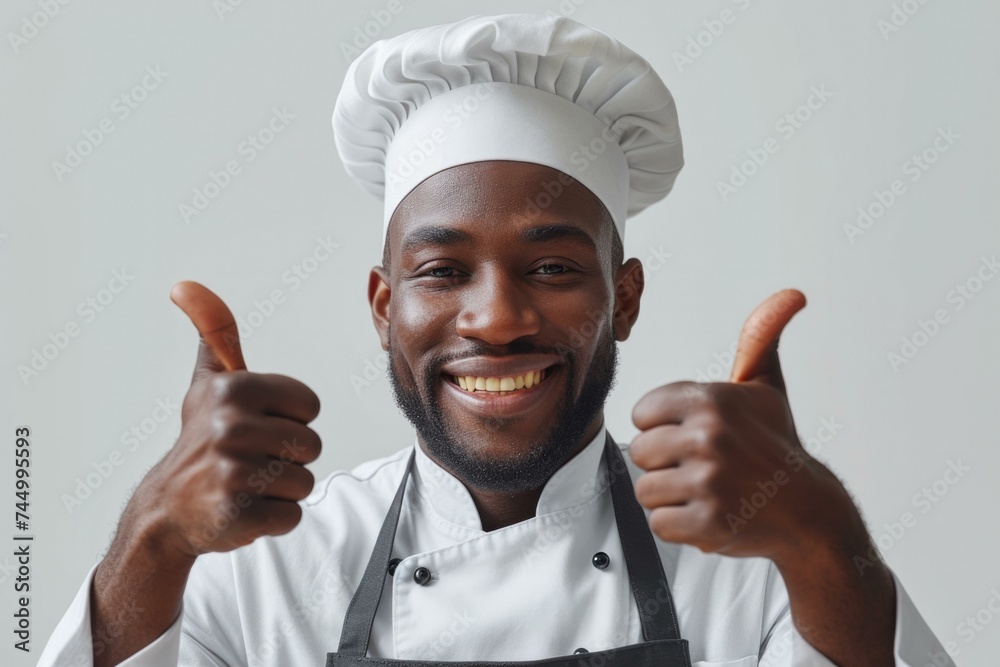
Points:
[(509, 151)]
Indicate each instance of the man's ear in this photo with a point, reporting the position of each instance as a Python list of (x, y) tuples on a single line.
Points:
[(379, 294), (629, 281)]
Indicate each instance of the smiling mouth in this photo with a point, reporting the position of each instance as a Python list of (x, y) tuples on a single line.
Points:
[(500, 386)]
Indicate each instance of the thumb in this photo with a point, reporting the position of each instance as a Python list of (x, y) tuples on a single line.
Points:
[(757, 351), (220, 348)]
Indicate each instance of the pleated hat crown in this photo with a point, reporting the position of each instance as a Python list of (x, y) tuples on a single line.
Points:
[(525, 87)]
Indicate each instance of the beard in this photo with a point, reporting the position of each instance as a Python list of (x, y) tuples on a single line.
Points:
[(532, 467)]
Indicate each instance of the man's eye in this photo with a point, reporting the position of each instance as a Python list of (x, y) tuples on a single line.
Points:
[(552, 268), (441, 272)]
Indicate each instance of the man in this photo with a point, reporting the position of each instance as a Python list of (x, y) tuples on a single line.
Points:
[(508, 150)]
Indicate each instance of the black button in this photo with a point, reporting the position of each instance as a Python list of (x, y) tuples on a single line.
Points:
[(601, 560), (581, 650), (392, 565), (422, 576)]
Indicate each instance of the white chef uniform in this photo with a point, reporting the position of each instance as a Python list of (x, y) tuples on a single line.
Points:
[(522, 592)]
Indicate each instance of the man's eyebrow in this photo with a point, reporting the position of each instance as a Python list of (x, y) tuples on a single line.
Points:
[(448, 236), (433, 235), (553, 232)]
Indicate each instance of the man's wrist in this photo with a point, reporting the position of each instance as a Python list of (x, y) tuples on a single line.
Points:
[(842, 556), (146, 530)]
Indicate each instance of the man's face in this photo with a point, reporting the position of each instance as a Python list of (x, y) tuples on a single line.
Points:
[(496, 283)]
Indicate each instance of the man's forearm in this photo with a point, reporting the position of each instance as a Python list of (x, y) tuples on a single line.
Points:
[(136, 593), (847, 614)]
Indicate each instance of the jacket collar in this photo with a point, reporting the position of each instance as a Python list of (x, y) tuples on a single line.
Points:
[(576, 482)]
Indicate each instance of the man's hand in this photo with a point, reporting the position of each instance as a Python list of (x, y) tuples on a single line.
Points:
[(236, 471), (725, 469), (726, 472)]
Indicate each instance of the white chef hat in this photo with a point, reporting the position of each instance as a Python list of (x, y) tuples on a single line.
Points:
[(523, 87)]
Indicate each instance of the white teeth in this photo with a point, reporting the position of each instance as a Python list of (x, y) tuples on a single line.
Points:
[(504, 385)]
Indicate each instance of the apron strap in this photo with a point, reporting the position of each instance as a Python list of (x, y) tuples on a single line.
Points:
[(645, 569), (361, 611)]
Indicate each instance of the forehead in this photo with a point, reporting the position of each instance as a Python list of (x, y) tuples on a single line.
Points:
[(479, 196)]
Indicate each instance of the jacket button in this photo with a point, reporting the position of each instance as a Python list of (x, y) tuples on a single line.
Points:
[(601, 560), (580, 650), (392, 565), (422, 576)]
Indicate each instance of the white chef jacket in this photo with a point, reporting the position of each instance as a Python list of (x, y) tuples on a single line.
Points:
[(523, 592)]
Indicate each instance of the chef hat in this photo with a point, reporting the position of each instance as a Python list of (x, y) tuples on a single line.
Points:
[(523, 87)]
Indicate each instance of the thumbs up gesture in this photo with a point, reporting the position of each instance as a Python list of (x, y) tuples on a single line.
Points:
[(236, 471), (724, 468)]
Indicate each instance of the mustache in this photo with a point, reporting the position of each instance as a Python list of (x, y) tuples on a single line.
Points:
[(565, 353)]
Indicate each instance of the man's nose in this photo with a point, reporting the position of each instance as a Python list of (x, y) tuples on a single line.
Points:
[(497, 310)]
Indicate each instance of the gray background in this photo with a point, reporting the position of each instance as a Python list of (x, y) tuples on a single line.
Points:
[(897, 429)]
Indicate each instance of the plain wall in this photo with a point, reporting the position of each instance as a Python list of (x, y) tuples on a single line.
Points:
[(710, 259)]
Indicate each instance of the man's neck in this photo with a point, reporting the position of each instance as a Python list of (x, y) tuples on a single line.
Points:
[(499, 509)]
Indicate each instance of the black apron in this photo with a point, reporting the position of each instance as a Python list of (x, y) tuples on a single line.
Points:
[(663, 646)]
